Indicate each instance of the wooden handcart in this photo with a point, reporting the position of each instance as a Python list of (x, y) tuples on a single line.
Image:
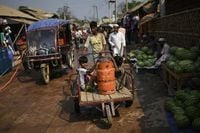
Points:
[(107, 104)]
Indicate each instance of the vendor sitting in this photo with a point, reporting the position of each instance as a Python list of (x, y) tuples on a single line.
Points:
[(86, 76), (163, 51)]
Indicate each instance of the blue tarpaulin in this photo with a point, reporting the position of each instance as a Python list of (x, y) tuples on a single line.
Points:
[(6, 59), (47, 23)]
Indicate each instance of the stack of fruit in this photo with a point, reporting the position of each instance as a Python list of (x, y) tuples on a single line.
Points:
[(185, 108), (184, 60), (145, 57)]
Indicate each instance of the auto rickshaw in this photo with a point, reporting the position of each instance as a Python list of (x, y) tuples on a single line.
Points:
[(49, 46)]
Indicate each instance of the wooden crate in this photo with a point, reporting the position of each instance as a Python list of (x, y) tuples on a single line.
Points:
[(173, 80)]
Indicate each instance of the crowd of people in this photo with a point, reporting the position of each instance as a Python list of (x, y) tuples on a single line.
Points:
[(114, 39)]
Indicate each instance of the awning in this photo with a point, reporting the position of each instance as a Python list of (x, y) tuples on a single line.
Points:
[(45, 23), (19, 20), (139, 6), (37, 13), (146, 19), (10, 12)]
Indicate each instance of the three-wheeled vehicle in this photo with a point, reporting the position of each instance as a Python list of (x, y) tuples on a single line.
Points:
[(49, 46), (110, 92)]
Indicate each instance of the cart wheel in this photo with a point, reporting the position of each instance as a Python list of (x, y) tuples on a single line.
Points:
[(45, 73), (76, 106), (70, 58), (25, 64), (109, 115), (128, 103)]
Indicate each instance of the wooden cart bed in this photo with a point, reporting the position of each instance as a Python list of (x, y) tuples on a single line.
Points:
[(91, 98)]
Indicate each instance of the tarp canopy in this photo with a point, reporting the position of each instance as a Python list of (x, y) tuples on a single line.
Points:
[(47, 23), (19, 20), (37, 13), (139, 6), (146, 19), (10, 13)]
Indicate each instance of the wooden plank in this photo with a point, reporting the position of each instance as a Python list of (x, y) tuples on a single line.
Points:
[(83, 96), (124, 92), (89, 97), (119, 95), (96, 97), (104, 97), (114, 96)]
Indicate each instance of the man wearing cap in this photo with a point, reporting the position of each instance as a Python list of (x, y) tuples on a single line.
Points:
[(163, 54), (117, 41)]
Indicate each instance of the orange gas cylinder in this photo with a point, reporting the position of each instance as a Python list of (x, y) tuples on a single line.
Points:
[(106, 77)]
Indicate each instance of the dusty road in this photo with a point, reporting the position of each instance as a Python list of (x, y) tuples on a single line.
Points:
[(29, 106)]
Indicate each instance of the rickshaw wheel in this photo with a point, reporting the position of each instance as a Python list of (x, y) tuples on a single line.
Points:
[(25, 64), (70, 58), (128, 103), (45, 73), (76, 106), (108, 114)]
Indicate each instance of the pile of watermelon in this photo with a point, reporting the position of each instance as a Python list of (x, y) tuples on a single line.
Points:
[(185, 107), (145, 57), (184, 60)]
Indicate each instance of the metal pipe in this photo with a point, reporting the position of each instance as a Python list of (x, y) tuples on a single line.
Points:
[(126, 6), (115, 10)]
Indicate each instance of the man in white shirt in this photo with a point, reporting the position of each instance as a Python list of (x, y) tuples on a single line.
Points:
[(117, 41), (164, 53)]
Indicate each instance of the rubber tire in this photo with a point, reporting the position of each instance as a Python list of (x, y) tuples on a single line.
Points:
[(128, 103), (25, 64), (76, 106), (70, 59), (45, 74), (108, 114)]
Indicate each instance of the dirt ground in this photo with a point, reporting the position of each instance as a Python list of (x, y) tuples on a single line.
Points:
[(29, 106)]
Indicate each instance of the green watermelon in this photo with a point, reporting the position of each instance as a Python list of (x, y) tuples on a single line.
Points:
[(131, 55), (147, 63), (144, 49), (191, 100), (172, 58), (191, 55), (150, 52), (89, 88), (179, 103), (181, 53), (177, 110), (178, 69), (196, 94), (187, 65), (169, 104), (144, 56), (136, 52), (181, 95), (182, 121), (140, 64), (196, 123), (173, 50), (197, 66), (150, 56), (185, 54), (139, 57), (195, 50), (192, 112), (171, 65)]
